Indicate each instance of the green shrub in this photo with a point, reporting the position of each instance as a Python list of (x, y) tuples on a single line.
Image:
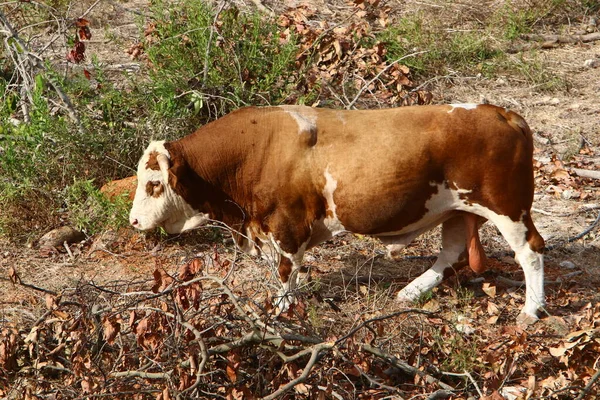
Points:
[(465, 52), (91, 211), (241, 62)]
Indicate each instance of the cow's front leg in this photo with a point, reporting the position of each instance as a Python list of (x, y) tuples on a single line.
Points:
[(289, 270), (287, 276)]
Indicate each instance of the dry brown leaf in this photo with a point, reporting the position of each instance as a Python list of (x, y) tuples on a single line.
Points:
[(50, 301), (489, 289), (12, 275), (157, 281), (111, 329), (492, 308)]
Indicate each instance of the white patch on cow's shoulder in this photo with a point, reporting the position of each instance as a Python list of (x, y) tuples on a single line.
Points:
[(466, 106), (167, 210), (332, 222), (305, 117)]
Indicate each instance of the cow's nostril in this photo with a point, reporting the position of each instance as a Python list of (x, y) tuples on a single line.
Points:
[(134, 222)]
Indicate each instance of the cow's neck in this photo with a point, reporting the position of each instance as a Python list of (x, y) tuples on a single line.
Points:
[(206, 181)]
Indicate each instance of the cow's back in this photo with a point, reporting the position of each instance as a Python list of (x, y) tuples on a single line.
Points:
[(387, 164)]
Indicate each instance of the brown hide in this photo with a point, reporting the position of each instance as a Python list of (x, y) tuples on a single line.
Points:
[(265, 168)]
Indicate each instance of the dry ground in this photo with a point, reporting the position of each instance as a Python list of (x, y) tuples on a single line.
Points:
[(351, 269)]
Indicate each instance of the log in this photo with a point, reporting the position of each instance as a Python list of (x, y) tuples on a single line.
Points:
[(590, 37), (586, 173), (120, 187)]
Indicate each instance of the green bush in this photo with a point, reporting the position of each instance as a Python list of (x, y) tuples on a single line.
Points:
[(442, 50), (211, 71), (91, 211)]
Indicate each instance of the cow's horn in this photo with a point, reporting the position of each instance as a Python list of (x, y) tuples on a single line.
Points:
[(163, 163)]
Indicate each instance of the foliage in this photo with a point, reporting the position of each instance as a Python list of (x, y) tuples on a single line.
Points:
[(91, 211), (443, 50), (200, 56)]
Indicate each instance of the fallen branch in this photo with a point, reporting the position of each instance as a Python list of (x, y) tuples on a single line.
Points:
[(405, 367), (314, 354), (590, 37), (589, 386), (381, 318), (16, 279), (141, 374), (582, 234), (586, 173), (468, 375)]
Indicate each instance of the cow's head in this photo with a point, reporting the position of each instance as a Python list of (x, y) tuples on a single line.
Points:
[(156, 203)]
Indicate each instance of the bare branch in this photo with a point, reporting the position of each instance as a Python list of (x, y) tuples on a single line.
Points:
[(390, 65), (314, 354), (589, 386), (405, 367)]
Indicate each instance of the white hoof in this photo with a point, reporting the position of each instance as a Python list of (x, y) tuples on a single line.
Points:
[(525, 319), (407, 296), (283, 301)]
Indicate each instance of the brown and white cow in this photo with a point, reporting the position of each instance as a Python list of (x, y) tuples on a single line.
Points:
[(293, 176)]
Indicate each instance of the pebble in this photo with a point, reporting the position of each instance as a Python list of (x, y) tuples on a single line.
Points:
[(591, 63), (567, 264)]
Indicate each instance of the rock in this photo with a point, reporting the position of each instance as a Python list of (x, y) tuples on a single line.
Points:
[(591, 63), (567, 264), (120, 187), (56, 237)]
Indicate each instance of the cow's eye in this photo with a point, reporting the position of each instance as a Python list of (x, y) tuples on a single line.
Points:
[(154, 188)]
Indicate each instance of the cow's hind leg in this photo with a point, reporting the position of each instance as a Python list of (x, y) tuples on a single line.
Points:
[(528, 245), (452, 257)]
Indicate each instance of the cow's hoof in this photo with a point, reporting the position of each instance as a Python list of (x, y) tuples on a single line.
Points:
[(525, 319), (404, 302), (283, 302)]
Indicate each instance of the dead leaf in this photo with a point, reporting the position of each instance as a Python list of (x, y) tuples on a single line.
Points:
[(493, 309), (301, 389), (561, 350), (157, 281), (50, 302), (111, 329), (13, 276), (233, 364), (489, 289)]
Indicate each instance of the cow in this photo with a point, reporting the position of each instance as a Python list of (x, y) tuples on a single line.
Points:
[(291, 177)]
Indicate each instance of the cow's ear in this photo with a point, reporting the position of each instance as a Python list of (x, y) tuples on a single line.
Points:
[(176, 171), (164, 164)]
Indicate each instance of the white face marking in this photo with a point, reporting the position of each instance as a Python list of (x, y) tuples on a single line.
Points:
[(168, 209), (332, 223), (466, 106)]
